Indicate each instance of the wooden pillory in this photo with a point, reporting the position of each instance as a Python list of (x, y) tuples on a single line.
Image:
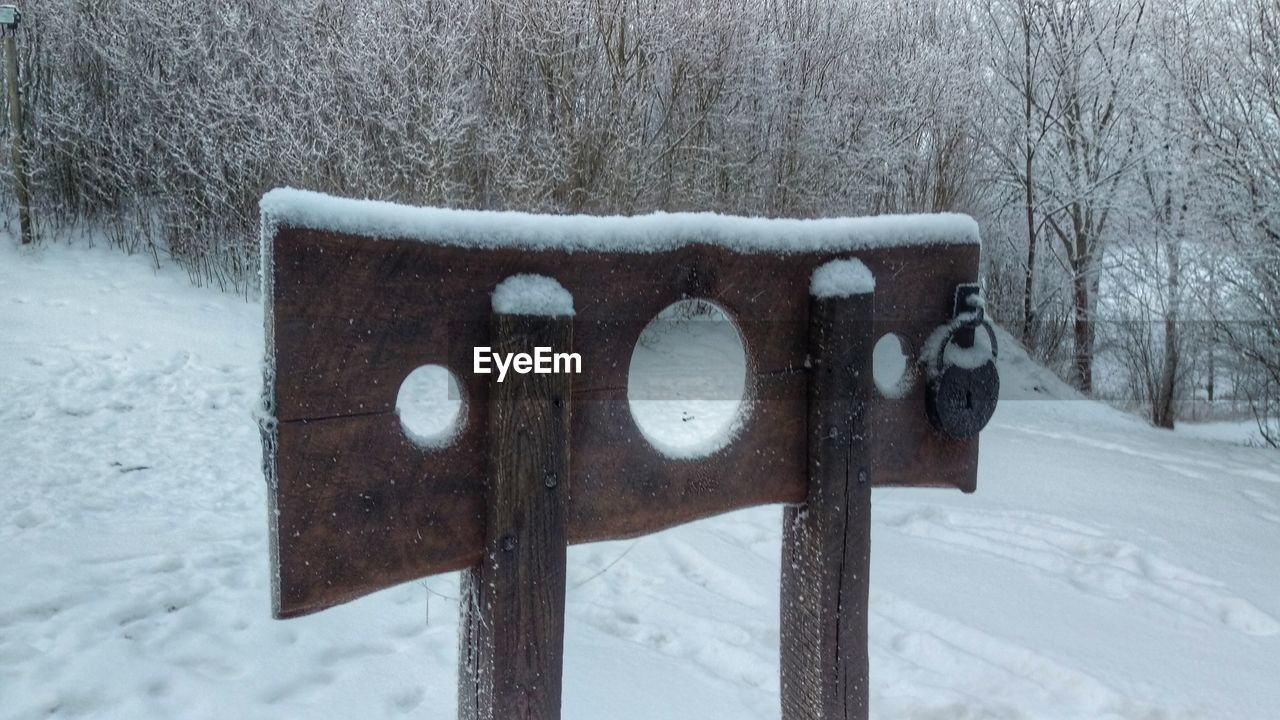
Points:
[(360, 294)]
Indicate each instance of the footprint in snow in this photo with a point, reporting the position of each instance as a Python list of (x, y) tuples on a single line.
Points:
[(1261, 498), (407, 700), (1089, 560), (302, 684)]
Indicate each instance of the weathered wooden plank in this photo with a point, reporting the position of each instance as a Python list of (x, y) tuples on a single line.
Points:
[(826, 540), (361, 508), (350, 317), (513, 613)]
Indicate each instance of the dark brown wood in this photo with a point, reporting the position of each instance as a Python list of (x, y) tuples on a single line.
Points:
[(350, 317), (827, 539), (513, 613)]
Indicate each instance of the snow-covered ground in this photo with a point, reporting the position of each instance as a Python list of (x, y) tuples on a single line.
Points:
[(1103, 569)]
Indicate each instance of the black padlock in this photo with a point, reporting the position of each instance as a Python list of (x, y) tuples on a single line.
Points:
[(961, 395)]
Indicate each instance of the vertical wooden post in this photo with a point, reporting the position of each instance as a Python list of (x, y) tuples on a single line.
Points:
[(826, 540), (513, 611), (20, 181)]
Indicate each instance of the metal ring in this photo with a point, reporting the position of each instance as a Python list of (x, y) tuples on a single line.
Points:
[(985, 324)]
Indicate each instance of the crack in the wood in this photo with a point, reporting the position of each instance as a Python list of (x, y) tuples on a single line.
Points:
[(844, 556), (342, 416)]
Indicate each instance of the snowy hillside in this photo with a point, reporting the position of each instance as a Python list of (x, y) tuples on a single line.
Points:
[(1102, 570)]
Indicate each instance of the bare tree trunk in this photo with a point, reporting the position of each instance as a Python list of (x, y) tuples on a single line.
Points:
[(1208, 387), (1082, 369), (1164, 409), (1213, 336), (1028, 290)]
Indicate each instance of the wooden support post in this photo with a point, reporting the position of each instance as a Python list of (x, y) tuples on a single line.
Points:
[(513, 611), (826, 540), (20, 181)]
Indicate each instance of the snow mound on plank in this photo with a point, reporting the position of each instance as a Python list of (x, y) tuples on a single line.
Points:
[(287, 207)]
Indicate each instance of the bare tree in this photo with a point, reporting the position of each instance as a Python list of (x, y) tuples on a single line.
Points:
[(1235, 99), (1025, 108)]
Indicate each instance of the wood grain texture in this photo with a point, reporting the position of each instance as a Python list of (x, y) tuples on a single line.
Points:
[(350, 317), (513, 613), (827, 539)]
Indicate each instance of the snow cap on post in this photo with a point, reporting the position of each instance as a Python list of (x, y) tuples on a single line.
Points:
[(532, 295), (842, 278)]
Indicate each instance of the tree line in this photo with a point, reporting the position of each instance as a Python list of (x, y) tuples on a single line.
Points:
[(1121, 156)]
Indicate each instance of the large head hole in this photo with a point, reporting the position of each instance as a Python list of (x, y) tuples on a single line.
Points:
[(430, 406), (688, 378)]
